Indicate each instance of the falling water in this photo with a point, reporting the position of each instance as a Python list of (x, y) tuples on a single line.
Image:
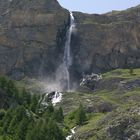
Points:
[(56, 98), (61, 82), (67, 60), (69, 137)]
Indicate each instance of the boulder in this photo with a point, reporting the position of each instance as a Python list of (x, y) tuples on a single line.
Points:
[(90, 81)]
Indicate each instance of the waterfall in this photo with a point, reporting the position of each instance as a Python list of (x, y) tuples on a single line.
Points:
[(56, 98), (67, 60), (69, 137), (61, 82)]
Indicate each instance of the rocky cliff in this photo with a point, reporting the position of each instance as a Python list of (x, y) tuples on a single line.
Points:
[(32, 35), (105, 42), (32, 38)]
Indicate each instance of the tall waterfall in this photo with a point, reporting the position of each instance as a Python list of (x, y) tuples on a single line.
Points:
[(61, 82), (67, 60)]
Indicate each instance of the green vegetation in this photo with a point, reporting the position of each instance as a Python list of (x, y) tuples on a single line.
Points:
[(21, 120), (80, 115), (123, 73), (76, 117), (106, 106)]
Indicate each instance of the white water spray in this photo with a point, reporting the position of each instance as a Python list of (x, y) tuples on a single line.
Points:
[(67, 60), (56, 98), (69, 137)]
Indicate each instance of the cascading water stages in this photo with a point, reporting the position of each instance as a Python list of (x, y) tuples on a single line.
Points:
[(67, 52)]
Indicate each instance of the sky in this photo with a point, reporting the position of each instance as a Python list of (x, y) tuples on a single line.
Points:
[(97, 6)]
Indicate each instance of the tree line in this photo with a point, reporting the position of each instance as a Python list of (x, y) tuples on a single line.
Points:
[(21, 119)]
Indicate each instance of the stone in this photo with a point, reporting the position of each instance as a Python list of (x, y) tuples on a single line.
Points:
[(90, 81)]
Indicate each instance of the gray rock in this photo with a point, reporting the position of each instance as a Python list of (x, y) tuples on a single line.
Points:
[(32, 35), (90, 81), (106, 42)]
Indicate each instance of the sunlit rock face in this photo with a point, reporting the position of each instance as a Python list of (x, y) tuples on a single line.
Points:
[(105, 42), (32, 37)]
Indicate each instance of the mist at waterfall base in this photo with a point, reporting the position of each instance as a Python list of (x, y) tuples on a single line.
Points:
[(61, 80)]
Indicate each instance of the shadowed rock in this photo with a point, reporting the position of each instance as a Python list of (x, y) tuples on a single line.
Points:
[(32, 35)]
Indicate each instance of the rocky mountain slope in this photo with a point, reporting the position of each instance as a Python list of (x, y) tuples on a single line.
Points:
[(105, 42), (113, 109), (31, 37), (33, 34)]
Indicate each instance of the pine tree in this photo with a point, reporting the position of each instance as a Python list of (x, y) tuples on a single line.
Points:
[(50, 108), (37, 131), (3, 82), (11, 88), (53, 131), (25, 97), (80, 115), (58, 115), (30, 128), (49, 113), (17, 116), (22, 129), (6, 121), (2, 113), (34, 102)]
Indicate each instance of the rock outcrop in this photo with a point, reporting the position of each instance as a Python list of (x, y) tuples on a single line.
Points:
[(122, 124), (90, 81), (32, 35)]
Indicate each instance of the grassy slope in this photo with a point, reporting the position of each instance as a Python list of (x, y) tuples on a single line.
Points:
[(72, 100), (119, 100)]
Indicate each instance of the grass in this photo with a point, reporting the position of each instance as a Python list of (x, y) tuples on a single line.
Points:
[(92, 122), (108, 96), (90, 127), (123, 100), (71, 101), (135, 91), (32, 85), (122, 73), (69, 119)]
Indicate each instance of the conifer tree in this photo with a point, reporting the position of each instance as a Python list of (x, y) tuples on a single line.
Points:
[(80, 115), (22, 129), (3, 82), (34, 102), (58, 115)]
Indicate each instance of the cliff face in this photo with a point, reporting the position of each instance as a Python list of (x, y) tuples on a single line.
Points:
[(105, 42), (31, 37)]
